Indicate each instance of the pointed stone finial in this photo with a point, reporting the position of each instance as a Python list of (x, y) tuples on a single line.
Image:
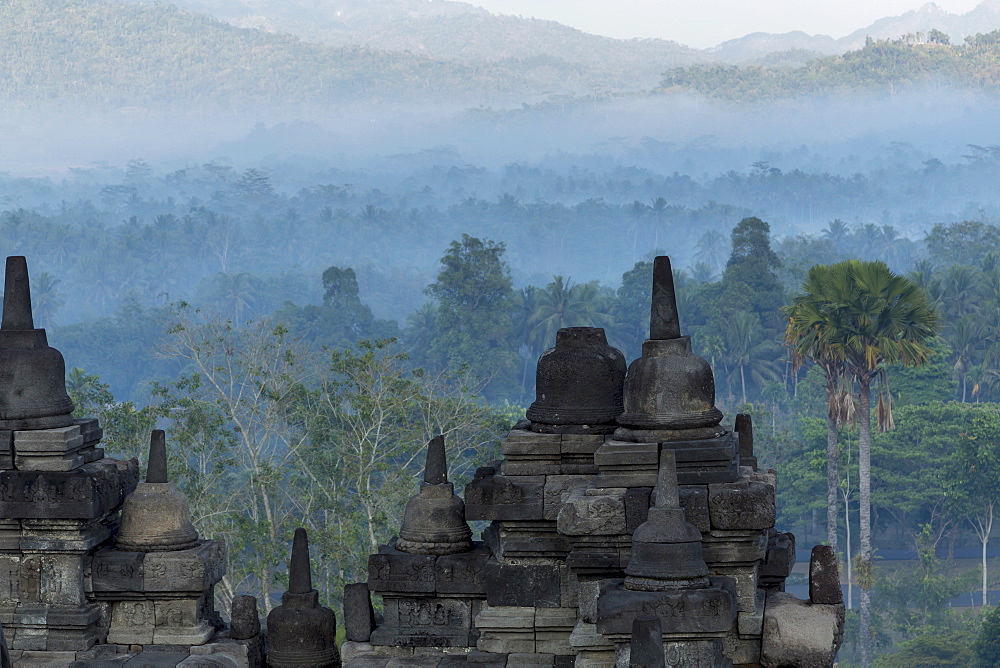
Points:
[(646, 647), (156, 467), (663, 320), (436, 469), (17, 295), (667, 492), (299, 574)]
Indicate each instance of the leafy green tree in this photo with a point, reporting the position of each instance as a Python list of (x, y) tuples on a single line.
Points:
[(973, 477), (474, 324), (986, 648), (748, 353), (879, 317)]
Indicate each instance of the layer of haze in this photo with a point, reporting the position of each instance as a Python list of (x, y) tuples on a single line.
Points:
[(708, 22)]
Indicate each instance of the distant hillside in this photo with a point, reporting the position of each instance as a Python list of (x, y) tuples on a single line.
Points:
[(756, 48), (881, 65), (114, 54), (460, 32)]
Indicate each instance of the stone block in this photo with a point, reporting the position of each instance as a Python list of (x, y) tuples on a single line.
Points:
[(581, 444), (636, 507), (708, 610), (556, 487), (507, 643), (733, 547), (627, 455), (524, 443), (132, 622), (799, 633), (599, 512), (6, 449), (89, 492), (506, 618), (555, 618), (744, 577), (824, 577), (780, 558), (117, 571), (48, 463), (435, 614), (462, 573), (351, 650), (530, 659), (486, 659), (676, 654), (184, 571), (553, 642), (751, 623), (500, 497), (359, 616), (49, 441), (694, 501), (530, 468), (521, 586), (742, 651), (393, 571), (741, 505)]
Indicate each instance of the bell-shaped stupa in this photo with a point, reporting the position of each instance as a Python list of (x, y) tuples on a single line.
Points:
[(32, 374), (156, 517), (434, 522), (669, 391), (666, 548), (300, 631), (578, 383)]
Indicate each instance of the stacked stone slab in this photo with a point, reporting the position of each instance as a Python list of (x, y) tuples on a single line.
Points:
[(59, 497)]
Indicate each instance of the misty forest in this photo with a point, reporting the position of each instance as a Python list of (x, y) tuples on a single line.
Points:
[(304, 238)]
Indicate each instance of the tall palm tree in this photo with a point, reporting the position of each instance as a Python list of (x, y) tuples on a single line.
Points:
[(749, 352), (808, 324), (46, 299), (868, 317)]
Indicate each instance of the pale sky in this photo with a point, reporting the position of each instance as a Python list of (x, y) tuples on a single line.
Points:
[(704, 23)]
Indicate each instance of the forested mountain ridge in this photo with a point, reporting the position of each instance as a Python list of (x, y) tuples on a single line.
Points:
[(455, 31), (112, 54), (115, 54), (881, 65)]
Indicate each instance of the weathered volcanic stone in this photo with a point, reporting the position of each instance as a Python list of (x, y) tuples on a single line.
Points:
[(708, 610), (491, 496), (579, 382), (779, 561), (463, 573), (399, 572), (744, 430), (434, 521), (300, 631), (669, 387), (799, 633), (741, 505), (4, 651), (244, 620), (824, 577), (156, 517), (359, 615), (32, 375), (646, 646), (521, 586)]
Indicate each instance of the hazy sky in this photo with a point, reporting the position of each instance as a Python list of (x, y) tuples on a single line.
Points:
[(704, 23)]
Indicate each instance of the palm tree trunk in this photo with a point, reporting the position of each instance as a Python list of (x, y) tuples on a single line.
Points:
[(832, 481), (743, 385), (865, 494)]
